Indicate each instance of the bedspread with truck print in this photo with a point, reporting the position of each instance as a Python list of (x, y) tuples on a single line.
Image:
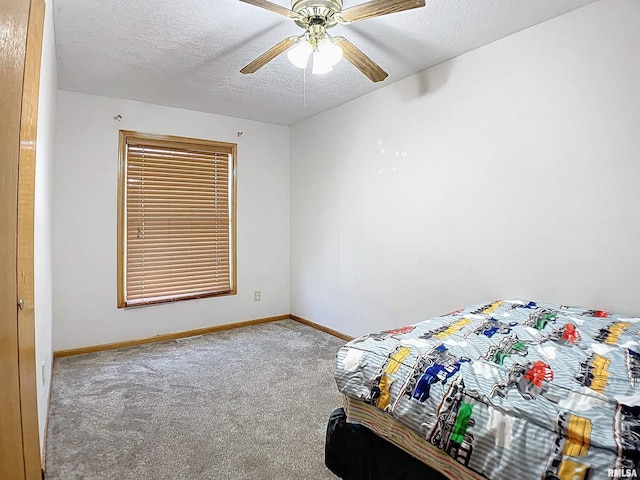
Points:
[(510, 389)]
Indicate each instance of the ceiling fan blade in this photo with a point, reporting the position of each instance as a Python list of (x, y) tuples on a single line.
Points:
[(270, 54), (376, 8), (273, 7), (359, 60)]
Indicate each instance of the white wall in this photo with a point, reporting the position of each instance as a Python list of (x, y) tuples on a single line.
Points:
[(85, 221), (510, 171), (43, 218)]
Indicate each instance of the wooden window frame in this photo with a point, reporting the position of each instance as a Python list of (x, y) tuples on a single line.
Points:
[(126, 138)]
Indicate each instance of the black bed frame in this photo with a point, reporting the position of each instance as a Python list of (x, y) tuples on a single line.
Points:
[(353, 452)]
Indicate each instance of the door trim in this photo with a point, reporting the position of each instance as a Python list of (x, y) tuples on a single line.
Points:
[(25, 260), (20, 58)]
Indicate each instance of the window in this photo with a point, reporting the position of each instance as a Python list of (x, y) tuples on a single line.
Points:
[(176, 219)]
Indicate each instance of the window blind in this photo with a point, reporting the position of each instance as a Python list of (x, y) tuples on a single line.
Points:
[(178, 220)]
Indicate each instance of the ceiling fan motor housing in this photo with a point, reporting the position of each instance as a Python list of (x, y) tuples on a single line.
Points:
[(316, 12)]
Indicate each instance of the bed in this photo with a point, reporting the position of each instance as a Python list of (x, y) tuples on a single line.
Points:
[(503, 390)]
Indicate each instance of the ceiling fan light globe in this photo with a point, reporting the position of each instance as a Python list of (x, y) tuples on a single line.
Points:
[(320, 64), (299, 55), (330, 51)]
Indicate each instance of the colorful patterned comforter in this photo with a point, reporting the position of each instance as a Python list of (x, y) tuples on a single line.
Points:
[(511, 389)]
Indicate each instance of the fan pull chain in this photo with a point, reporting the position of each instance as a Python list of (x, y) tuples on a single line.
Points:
[(304, 87)]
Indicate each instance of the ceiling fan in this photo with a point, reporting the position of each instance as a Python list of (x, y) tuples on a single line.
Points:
[(316, 17)]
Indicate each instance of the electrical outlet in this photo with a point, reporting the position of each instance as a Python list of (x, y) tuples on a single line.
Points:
[(42, 373), (256, 296)]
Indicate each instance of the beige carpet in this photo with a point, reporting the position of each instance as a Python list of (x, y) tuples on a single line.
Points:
[(249, 403)]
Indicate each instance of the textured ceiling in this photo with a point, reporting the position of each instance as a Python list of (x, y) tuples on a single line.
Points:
[(188, 53)]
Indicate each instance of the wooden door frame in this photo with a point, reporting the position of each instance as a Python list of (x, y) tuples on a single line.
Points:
[(25, 264), (20, 69)]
